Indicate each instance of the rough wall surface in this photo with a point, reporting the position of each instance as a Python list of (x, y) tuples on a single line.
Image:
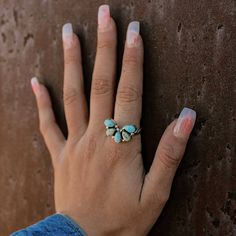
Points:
[(190, 60)]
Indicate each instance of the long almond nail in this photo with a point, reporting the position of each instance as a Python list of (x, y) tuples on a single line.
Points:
[(185, 123), (35, 85), (67, 35), (133, 33), (104, 17)]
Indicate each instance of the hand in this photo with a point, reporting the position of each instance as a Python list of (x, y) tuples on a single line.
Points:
[(101, 184)]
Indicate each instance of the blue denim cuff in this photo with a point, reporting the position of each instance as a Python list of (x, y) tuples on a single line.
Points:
[(57, 224), (71, 221)]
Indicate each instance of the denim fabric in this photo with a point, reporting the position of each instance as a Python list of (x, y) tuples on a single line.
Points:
[(54, 225)]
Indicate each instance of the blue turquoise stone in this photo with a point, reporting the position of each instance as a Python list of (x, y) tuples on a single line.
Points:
[(117, 137), (129, 128), (109, 123)]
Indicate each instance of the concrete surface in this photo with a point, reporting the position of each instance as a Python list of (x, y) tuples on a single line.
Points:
[(190, 60)]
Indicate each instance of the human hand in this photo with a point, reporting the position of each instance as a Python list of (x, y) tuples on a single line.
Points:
[(101, 184)]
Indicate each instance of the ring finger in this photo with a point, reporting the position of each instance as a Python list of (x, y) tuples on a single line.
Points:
[(128, 105)]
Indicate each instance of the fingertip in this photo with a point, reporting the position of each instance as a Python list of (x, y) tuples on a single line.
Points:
[(134, 43), (67, 31), (105, 21), (35, 85), (185, 123), (40, 91), (34, 81), (70, 39), (104, 18), (133, 37)]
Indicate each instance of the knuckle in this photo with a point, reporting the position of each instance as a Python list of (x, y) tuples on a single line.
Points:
[(159, 198), (162, 198), (70, 96), (128, 94), (71, 57), (43, 102), (105, 44), (71, 54), (101, 85), (112, 157), (168, 157), (89, 146), (131, 60), (44, 128)]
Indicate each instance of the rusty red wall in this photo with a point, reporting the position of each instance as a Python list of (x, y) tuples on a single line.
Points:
[(190, 60)]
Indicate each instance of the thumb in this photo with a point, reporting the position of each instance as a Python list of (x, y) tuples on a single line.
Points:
[(169, 153)]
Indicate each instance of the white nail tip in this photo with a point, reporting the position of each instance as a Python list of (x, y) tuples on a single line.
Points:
[(132, 33), (104, 17), (104, 8), (34, 81), (188, 112), (67, 30), (134, 26)]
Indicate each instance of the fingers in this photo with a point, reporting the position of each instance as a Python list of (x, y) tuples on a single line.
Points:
[(169, 153), (102, 92), (53, 136), (74, 99), (129, 94)]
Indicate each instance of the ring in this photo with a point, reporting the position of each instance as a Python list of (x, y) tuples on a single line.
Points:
[(124, 134)]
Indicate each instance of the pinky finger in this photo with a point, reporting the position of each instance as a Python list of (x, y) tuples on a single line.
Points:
[(52, 134)]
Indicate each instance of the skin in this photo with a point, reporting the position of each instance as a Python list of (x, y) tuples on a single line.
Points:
[(100, 184)]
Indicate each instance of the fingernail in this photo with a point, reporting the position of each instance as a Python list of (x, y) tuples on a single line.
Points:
[(67, 35), (35, 85), (103, 17), (185, 123), (133, 33)]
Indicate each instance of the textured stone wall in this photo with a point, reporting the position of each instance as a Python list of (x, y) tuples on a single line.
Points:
[(190, 60)]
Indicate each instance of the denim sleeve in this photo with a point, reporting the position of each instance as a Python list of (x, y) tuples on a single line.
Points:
[(57, 224)]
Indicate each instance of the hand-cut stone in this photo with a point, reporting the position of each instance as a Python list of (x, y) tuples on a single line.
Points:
[(117, 137), (126, 136), (129, 128), (110, 131), (109, 123)]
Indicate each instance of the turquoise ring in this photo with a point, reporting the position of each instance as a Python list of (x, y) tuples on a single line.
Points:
[(124, 134)]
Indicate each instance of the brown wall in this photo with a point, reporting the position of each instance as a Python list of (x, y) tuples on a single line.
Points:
[(190, 60)]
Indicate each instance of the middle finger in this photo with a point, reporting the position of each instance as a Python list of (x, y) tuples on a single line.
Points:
[(102, 92)]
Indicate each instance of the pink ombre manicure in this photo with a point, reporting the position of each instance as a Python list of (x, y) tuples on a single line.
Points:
[(67, 35), (132, 34), (35, 85), (104, 17), (185, 123)]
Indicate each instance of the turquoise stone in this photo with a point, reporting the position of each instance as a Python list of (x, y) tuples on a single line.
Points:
[(126, 136), (129, 128), (109, 123), (110, 131), (117, 137)]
